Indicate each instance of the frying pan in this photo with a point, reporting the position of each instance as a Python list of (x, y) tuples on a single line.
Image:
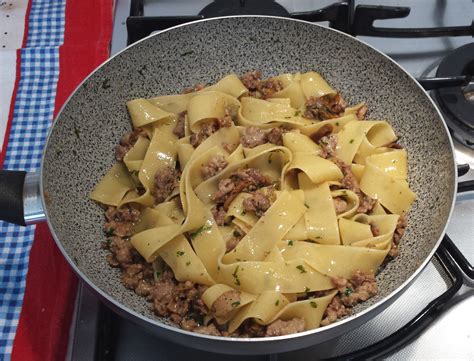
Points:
[(80, 149)]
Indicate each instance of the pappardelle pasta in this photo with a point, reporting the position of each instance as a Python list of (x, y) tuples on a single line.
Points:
[(254, 207)]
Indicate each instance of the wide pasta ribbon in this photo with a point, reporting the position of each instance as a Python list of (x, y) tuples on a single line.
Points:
[(269, 113), (271, 227), (384, 179), (230, 85), (299, 87), (336, 260), (210, 105), (376, 133), (158, 153)]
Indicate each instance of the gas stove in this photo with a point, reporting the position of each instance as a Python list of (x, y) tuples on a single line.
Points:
[(433, 318)]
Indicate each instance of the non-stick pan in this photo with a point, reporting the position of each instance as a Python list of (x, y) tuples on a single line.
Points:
[(80, 149)]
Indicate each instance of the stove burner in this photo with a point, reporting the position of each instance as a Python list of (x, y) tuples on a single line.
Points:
[(459, 110), (243, 7)]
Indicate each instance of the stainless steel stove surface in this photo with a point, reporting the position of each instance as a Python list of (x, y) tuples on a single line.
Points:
[(96, 333)]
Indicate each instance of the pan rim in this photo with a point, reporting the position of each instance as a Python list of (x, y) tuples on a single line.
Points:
[(375, 308)]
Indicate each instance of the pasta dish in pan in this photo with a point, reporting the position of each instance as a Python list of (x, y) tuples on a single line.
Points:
[(254, 207)]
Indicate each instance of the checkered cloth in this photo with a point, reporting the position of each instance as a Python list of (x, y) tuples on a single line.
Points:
[(33, 114)]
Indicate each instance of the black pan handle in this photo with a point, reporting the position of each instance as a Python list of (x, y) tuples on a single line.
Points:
[(11, 196), (20, 199)]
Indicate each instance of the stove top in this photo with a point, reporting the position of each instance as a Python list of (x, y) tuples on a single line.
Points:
[(441, 300)]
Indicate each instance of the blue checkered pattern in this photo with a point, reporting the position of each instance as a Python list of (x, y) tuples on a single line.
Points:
[(33, 114), (46, 23)]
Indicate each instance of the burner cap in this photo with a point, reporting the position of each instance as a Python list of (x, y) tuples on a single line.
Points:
[(243, 7), (459, 110)]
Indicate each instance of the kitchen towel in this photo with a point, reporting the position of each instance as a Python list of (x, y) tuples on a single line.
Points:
[(47, 47)]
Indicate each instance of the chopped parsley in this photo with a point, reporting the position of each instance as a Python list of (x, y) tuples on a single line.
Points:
[(235, 304), (199, 231), (313, 304), (236, 278), (351, 141), (306, 205), (187, 53), (301, 268), (236, 234), (348, 291), (337, 124), (110, 232), (188, 263), (306, 289), (179, 253), (290, 243), (157, 274), (243, 212), (297, 113), (277, 302)]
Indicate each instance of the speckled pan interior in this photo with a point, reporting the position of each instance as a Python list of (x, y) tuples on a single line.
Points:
[(81, 147)]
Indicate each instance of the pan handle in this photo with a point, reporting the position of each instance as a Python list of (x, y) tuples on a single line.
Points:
[(20, 198)]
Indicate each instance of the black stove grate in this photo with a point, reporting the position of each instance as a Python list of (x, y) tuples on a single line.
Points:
[(344, 16), (458, 109)]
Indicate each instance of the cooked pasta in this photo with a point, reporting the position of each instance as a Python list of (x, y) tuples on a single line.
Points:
[(254, 207)]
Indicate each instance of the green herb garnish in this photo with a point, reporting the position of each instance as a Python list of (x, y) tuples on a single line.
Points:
[(351, 141), (236, 278), (290, 243), (301, 268), (348, 291), (199, 231), (110, 232), (187, 53), (306, 289), (277, 302), (235, 304), (179, 253), (157, 274), (313, 304), (188, 263)]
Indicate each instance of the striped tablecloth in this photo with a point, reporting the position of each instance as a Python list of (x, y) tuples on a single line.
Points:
[(46, 48)]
